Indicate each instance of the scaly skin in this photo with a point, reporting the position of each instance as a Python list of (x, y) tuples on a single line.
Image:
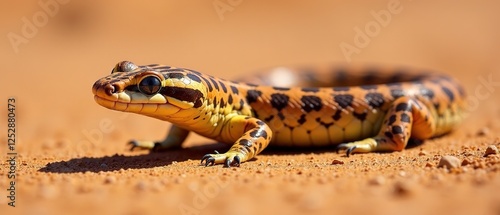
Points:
[(363, 110)]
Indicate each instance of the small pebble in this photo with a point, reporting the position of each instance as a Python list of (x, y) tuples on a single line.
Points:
[(429, 164), (467, 161), (109, 180), (140, 186), (480, 165), (482, 132), (335, 162), (449, 162), (402, 173), (379, 180), (403, 188), (491, 150), (422, 153), (84, 188)]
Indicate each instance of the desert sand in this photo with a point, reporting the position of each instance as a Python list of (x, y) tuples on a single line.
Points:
[(72, 156)]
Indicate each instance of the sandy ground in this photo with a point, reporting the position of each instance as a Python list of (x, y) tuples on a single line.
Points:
[(71, 153)]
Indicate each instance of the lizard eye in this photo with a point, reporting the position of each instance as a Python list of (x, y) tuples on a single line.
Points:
[(149, 85)]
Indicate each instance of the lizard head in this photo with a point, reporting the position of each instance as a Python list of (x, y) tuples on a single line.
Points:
[(158, 91)]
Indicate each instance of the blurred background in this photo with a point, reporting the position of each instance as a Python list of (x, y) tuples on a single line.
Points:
[(52, 51)]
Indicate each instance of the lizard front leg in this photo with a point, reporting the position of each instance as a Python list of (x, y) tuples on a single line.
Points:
[(174, 139), (254, 136)]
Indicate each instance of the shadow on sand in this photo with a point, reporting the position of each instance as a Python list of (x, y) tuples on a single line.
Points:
[(165, 158), (143, 161)]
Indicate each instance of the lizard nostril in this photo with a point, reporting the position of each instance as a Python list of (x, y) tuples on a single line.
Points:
[(109, 89)]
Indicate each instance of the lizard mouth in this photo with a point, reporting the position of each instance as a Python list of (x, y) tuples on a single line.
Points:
[(131, 100), (147, 108), (136, 102)]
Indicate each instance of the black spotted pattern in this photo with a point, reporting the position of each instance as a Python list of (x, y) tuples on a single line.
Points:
[(360, 116), (253, 95), (234, 89), (326, 125), (310, 103), (337, 115), (271, 117), (405, 118), (245, 143), (258, 133), (215, 101), (427, 92), (209, 85), (194, 77), (242, 103), (448, 93), (310, 89), (388, 134), (403, 107), (222, 103), (302, 119), (214, 82), (375, 100), (223, 86), (281, 88), (396, 93), (392, 119), (279, 101), (173, 75), (281, 116), (397, 130), (344, 100)]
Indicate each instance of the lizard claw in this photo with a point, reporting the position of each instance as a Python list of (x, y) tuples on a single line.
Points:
[(227, 160), (230, 162), (208, 159), (345, 146), (133, 144), (149, 145)]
